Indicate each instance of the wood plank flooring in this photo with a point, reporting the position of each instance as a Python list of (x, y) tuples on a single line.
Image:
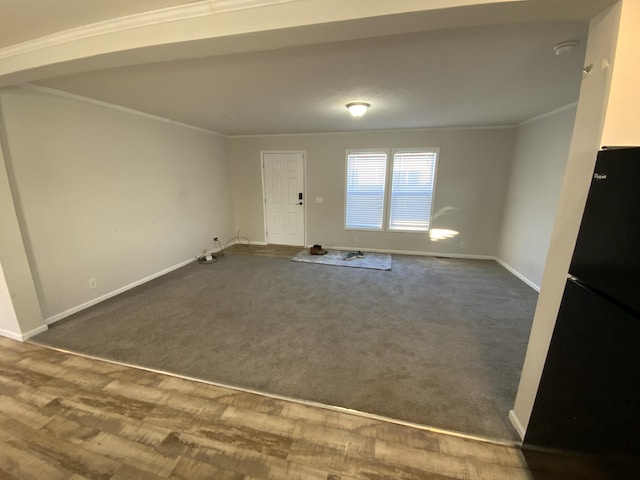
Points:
[(64, 416), (283, 251)]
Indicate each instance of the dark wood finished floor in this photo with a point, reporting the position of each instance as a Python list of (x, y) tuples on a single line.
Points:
[(64, 416)]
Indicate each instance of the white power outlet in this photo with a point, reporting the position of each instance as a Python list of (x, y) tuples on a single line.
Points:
[(93, 283)]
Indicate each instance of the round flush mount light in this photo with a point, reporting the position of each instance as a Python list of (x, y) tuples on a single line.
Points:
[(358, 109), (565, 47)]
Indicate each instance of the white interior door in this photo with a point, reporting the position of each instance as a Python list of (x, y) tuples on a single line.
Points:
[(284, 197)]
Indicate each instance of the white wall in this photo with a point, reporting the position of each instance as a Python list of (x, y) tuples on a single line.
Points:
[(107, 194), (621, 121), (471, 179), (539, 161), (9, 326), (586, 140), (20, 314)]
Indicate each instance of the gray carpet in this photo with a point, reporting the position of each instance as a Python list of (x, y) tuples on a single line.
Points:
[(435, 341)]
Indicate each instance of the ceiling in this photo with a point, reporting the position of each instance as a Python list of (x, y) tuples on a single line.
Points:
[(453, 67), (498, 75), (23, 20)]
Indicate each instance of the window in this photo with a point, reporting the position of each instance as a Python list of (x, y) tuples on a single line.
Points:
[(412, 190), (412, 178), (366, 175)]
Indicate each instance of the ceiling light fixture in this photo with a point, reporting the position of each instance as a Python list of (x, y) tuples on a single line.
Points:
[(358, 109), (565, 47)]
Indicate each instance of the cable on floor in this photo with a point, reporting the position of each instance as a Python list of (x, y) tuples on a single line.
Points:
[(240, 240)]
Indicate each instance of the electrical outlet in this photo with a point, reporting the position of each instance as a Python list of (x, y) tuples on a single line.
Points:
[(93, 283), (463, 244)]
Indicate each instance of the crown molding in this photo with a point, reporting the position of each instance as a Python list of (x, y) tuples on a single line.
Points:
[(187, 11), (79, 98), (549, 113), (379, 130)]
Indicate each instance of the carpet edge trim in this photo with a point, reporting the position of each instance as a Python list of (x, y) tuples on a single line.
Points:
[(372, 416)]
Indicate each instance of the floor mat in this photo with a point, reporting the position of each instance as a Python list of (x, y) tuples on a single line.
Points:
[(373, 261)]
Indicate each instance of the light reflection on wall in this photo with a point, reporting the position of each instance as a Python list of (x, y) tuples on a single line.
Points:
[(445, 218), (436, 234)]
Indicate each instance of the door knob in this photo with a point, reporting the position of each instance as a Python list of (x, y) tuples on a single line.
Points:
[(299, 203)]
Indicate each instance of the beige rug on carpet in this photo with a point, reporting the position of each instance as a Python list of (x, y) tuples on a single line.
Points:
[(374, 261)]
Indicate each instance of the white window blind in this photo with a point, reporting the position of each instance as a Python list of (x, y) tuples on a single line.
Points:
[(366, 174), (412, 190)]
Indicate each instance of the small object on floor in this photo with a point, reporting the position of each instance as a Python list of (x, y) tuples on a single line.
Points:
[(208, 258), (317, 250), (353, 255)]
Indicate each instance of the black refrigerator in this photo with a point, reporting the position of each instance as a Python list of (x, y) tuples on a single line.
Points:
[(585, 422)]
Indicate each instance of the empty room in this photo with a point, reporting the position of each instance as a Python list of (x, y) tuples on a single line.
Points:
[(357, 208)]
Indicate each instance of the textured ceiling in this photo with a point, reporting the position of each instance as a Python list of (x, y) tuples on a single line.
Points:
[(496, 75), (482, 65)]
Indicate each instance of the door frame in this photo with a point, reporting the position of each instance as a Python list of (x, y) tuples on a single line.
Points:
[(304, 187)]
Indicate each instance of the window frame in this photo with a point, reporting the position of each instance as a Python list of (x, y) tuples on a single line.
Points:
[(388, 186), (384, 151), (390, 169)]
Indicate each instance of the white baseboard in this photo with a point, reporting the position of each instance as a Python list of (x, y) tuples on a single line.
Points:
[(410, 252), (518, 274), (21, 337), (11, 335), (34, 332), (113, 293), (515, 421)]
